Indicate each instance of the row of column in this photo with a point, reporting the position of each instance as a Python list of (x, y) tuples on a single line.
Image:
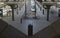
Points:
[(13, 7), (48, 8)]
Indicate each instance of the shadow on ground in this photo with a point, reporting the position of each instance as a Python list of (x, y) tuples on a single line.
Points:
[(52, 31), (7, 31)]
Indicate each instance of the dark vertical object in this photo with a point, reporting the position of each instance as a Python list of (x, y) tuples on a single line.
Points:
[(21, 20), (47, 14), (14, 0), (45, 0), (35, 10), (59, 13), (17, 9), (30, 30), (48, 7), (43, 10), (52, 0), (25, 8), (39, 1), (1, 12), (12, 12), (7, 0), (40, 8), (12, 6)]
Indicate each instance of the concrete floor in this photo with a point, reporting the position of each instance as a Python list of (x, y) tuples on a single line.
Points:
[(38, 24), (52, 31), (7, 31), (41, 27)]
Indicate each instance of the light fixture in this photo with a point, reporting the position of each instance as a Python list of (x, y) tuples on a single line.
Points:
[(2, 3), (58, 2)]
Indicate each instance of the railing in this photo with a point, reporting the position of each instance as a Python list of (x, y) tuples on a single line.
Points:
[(39, 4)]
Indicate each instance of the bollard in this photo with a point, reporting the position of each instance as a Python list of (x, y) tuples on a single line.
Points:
[(21, 20), (59, 13), (43, 11), (1, 12), (30, 30)]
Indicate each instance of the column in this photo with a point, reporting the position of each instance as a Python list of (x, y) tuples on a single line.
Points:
[(48, 7), (52, 0), (25, 8), (47, 14), (59, 13), (12, 6), (17, 9), (43, 10), (35, 10), (7, 0), (12, 12)]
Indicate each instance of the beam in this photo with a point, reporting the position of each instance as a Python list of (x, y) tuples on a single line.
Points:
[(49, 3), (12, 6), (12, 13), (12, 2)]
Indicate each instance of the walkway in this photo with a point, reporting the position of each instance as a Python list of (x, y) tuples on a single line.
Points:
[(7, 31), (38, 24)]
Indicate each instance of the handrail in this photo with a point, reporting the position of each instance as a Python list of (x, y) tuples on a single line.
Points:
[(37, 3)]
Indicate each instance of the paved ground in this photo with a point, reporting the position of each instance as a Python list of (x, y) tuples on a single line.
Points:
[(52, 31), (7, 31), (38, 24), (41, 27)]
